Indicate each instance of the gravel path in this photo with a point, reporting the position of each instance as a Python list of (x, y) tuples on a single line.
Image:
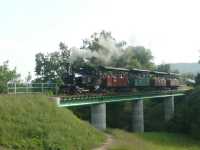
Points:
[(107, 144)]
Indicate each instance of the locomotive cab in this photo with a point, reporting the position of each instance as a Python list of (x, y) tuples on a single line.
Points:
[(68, 86), (86, 78)]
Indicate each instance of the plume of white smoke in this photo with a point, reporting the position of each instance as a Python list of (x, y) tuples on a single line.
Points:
[(108, 50)]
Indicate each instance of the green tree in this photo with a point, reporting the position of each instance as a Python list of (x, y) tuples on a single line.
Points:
[(138, 57), (187, 116), (50, 67), (7, 75), (65, 58), (197, 79), (164, 68)]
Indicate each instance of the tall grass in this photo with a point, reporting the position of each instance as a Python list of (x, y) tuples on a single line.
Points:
[(32, 122), (152, 141)]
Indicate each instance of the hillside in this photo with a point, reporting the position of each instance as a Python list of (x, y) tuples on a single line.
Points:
[(186, 67), (31, 122), (152, 141)]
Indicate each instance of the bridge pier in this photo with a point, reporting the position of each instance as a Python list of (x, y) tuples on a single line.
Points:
[(98, 116), (169, 108), (137, 116)]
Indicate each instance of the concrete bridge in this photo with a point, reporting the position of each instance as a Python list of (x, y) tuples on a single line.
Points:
[(98, 106)]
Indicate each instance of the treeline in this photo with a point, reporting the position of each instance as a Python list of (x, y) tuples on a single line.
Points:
[(186, 119), (187, 116)]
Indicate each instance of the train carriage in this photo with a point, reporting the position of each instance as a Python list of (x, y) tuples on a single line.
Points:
[(173, 81), (158, 79), (139, 78), (114, 77)]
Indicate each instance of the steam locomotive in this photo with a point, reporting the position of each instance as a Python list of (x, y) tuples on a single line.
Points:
[(109, 79)]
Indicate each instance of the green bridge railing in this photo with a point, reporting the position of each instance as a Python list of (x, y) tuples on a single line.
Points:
[(95, 99)]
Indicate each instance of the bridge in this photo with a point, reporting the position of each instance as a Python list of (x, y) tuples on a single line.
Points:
[(98, 105)]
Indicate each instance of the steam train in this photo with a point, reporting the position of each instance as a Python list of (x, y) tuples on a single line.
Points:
[(109, 79)]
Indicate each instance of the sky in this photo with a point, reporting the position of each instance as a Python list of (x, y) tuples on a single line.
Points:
[(170, 28)]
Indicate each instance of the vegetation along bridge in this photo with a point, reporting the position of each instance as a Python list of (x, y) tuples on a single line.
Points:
[(98, 105)]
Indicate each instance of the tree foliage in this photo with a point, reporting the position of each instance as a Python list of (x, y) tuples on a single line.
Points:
[(187, 116), (138, 57), (6, 75), (197, 79), (51, 66), (164, 68)]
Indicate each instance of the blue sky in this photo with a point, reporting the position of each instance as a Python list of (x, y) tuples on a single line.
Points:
[(170, 28)]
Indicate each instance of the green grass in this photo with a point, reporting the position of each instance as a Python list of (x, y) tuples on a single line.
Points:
[(32, 122), (152, 141)]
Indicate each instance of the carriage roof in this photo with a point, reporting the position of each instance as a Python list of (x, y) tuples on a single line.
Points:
[(139, 70), (107, 68), (113, 69), (159, 73)]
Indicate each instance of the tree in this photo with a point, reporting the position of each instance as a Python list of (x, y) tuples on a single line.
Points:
[(65, 57), (50, 67), (164, 68), (6, 75), (197, 79), (138, 57)]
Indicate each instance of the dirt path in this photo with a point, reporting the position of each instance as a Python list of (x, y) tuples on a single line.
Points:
[(107, 144)]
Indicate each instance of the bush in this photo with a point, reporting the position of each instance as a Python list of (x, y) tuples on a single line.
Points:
[(187, 117)]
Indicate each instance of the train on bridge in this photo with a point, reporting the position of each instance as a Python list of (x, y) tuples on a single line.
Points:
[(109, 79)]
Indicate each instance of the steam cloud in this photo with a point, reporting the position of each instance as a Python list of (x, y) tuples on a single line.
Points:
[(106, 53)]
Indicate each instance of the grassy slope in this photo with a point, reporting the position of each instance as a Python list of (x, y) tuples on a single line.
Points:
[(31, 122), (152, 141)]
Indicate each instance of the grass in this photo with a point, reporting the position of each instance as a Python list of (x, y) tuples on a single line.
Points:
[(152, 141), (32, 122)]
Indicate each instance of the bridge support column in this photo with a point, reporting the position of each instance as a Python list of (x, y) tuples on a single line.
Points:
[(169, 108), (98, 116), (138, 116)]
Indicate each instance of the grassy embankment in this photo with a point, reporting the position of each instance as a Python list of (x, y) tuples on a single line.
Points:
[(32, 122), (152, 141)]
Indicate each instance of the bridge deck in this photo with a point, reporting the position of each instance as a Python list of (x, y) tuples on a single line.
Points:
[(97, 99)]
